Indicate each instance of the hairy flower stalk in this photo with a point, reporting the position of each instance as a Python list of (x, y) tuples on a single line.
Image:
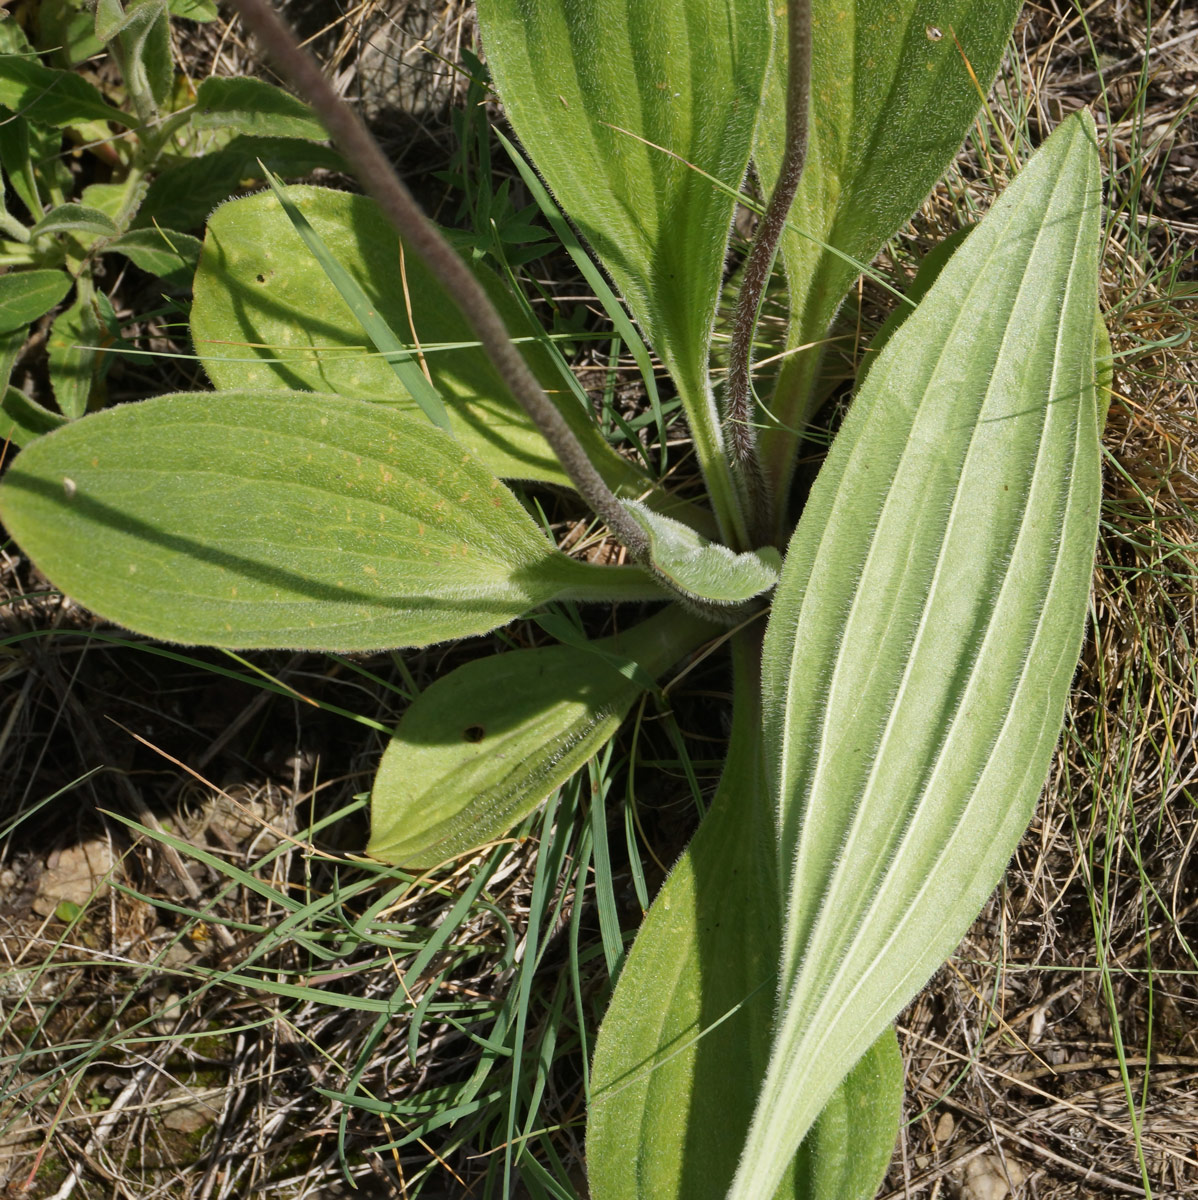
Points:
[(379, 179), (742, 433)]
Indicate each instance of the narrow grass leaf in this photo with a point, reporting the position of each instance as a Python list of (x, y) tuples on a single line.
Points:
[(926, 628), (395, 353), (286, 520), (595, 281)]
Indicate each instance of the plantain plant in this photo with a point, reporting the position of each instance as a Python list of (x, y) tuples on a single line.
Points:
[(900, 655)]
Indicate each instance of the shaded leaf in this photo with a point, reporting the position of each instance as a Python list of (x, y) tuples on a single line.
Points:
[(75, 218), (255, 107), (266, 315), (22, 420), (183, 196), (285, 519), (27, 295), (926, 628), (480, 748), (73, 347), (194, 10), (170, 255), (52, 97)]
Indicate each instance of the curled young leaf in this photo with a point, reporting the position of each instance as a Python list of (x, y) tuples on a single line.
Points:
[(926, 628), (285, 519), (701, 569), (484, 745)]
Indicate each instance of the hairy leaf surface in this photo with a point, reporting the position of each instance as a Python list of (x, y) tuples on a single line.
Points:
[(684, 75), (284, 519), (926, 628), (703, 569), (267, 316), (480, 748), (684, 1044), (892, 97)]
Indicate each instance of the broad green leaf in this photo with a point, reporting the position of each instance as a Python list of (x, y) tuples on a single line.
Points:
[(266, 316), (73, 347), (893, 94), (170, 255), (285, 519), (75, 218), (52, 97), (703, 569), (22, 420), (684, 1044), (477, 751), (641, 98), (926, 628), (27, 295), (253, 106), (182, 197)]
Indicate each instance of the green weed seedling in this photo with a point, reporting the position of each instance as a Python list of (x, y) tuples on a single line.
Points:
[(168, 154), (892, 726)]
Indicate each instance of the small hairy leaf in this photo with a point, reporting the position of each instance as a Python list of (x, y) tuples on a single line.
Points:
[(170, 255), (75, 218), (22, 419), (285, 519), (267, 316), (253, 106), (27, 295), (477, 751), (640, 100), (926, 628), (72, 349), (703, 569), (894, 88)]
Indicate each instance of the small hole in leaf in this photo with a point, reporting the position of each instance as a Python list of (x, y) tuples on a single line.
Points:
[(474, 733)]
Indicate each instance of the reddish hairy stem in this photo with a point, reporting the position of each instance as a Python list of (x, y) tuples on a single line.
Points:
[(742, 435)]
